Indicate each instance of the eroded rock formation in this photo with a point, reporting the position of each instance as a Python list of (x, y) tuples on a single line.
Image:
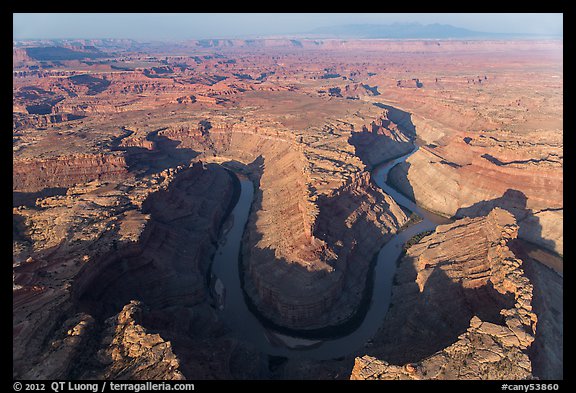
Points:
[(461, 308), (304, 120), (373, 149), (101, 246), (533, 193), (130, 352), (326, 284), (31, 175), (299, 259)]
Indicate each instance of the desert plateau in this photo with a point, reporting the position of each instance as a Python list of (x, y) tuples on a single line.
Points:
[(278, 208)]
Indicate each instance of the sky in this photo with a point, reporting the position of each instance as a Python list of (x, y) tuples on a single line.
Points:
[(167, 26)]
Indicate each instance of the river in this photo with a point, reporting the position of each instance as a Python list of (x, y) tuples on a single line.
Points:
[(247, 327)]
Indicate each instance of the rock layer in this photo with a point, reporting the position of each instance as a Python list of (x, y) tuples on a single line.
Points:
[(97, 248), (130, 352), (304, 119), (352, 225), (461, 308), (380, 142), (36, 174), (471, 185), (298, 275)]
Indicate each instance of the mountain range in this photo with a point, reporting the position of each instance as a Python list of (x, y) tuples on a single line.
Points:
[(407, 30)]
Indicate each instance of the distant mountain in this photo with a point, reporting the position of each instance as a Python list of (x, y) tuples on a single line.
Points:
[(403, 30)]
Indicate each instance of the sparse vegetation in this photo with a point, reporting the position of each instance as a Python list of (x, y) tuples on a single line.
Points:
[(415, 239), (413, 219)]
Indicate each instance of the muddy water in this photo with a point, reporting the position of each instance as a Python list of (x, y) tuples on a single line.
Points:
[(247, 327)]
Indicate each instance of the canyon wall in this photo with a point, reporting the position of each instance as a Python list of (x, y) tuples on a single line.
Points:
[(381, 141), (169, 265), (32, 174), (19, 121), (113, 234), (461, 308), (470, 175), (81, 257), (298, 266), (352, 225)]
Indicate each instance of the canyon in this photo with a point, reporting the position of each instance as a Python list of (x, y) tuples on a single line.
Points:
[(127, 162), (470, 311)]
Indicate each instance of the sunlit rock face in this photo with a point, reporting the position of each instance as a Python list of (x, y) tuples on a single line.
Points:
[(120, 195), (461, 308)]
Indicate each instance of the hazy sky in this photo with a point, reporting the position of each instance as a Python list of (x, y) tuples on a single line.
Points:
[(208, 25)]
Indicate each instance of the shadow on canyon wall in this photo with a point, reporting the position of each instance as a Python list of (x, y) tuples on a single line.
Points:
[(421, 323), (513, 201), (398, 179), (266, 256), (332, 226), (19, 229), (402, 118), (28, 199), (374, 147), (168, 270), (546, 352), (165, 154), (173, 237)]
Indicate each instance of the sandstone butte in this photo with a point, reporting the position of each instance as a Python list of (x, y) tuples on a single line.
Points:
[(120, 194)]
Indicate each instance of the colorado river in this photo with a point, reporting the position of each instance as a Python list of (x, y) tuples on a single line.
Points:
[(247, 327)]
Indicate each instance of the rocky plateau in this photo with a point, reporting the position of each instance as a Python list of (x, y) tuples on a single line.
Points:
[(126, 158)]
